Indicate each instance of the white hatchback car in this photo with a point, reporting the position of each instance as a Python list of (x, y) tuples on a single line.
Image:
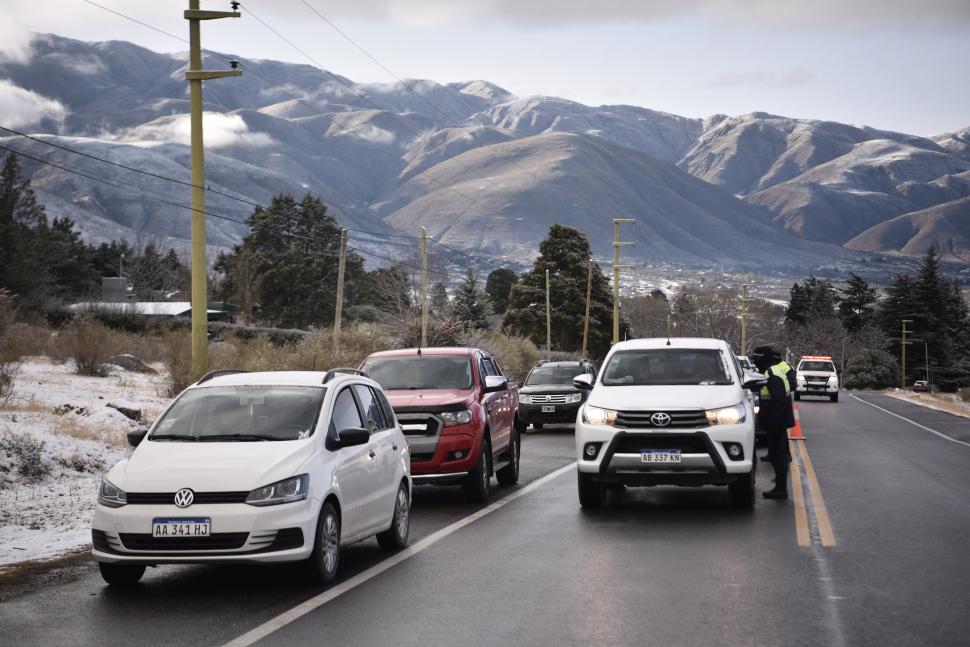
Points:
[(257, 467), (667, 412)]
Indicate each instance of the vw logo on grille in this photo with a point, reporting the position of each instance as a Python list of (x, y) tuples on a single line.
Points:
[(184, 497), (660, 419)]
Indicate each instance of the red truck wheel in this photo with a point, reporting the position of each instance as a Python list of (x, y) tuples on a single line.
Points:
[(476, 484)]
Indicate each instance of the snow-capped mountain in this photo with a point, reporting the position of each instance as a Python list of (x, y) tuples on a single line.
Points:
[(482, 169)]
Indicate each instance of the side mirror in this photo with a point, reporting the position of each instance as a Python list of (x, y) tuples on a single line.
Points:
[(753, 381), (583, 382), (353, 436), (136, 436), (496, 383)]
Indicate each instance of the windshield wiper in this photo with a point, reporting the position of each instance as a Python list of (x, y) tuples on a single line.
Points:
[(173, 437), (238, 437)]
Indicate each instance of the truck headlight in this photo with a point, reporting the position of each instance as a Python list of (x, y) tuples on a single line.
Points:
[(288, 490), (452, 418), (833, 380), (727, 415), (110, 495), (525, 399), (573, 398), (597, 416)]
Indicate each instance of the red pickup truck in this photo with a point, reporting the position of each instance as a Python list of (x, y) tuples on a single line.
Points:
[(458, 412)]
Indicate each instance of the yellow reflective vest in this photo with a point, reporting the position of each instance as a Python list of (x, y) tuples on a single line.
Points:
[(778, 370)]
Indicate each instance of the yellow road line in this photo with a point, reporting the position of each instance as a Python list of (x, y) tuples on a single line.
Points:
[(818, 503), (801, 516)]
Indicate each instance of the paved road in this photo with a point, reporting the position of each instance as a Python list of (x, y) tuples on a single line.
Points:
[(658, 566)]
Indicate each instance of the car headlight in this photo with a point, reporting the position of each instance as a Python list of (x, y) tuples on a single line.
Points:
[(800, 379), (573, 398), (452, 418), (833, 380), (288, 490), (525, 399), (110, 495), (727, 415), (597, 416)]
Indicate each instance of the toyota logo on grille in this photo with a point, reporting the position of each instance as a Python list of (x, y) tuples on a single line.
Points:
[(660, 419), (184, 497)]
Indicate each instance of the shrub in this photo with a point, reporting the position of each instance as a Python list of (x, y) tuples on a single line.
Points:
[(177, 356), (965, 394), (25, 454), (88, 346), (871, 369), (516, 355)]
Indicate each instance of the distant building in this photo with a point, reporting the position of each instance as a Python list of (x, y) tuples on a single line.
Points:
[(216, 311)]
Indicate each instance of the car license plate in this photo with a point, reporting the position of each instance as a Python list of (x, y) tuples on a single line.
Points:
[(181, 526), (548, 408), (660, 456)]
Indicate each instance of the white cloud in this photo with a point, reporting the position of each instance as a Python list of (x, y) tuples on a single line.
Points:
[(763, 79), (371, 133), (20, 107), (220, 130), (14, 41)]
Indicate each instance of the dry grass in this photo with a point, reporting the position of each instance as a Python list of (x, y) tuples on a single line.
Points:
[(939, 401), (88, 346), (24, 405), (82, 430)]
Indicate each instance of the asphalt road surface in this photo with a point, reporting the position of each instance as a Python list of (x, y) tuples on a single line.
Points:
[(873, 550)]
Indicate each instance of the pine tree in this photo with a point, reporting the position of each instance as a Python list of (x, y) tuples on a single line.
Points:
[(439, 299), (857, 305), (565, 252), (498, 286), (470, 307), (24, 270)]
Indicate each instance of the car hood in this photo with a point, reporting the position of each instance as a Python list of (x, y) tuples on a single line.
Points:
[(548, 388), (210, 466), (664, 398), (427, 398)]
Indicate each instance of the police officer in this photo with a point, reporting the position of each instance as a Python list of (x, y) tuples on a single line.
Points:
[(776, 414)]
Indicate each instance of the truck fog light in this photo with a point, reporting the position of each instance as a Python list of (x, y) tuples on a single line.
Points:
[(591, 450), (734, 450), (457, 455)]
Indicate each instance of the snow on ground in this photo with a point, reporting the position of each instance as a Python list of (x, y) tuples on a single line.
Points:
[(82, 437), (948, 402)]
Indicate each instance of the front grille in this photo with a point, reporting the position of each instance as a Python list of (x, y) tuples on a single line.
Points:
[(216, 541), (419, 424), (686, 443), (557, 398), (166, 498), (678, 419)]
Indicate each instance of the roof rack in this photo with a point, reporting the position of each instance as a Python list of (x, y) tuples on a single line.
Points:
[(332, 373), (216, 373)]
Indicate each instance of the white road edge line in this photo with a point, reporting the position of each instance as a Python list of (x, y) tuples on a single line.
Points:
[(915, 424), (254, 635)]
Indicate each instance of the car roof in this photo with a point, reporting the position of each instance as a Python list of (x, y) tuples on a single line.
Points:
[(272, 378), (563, 364), (692, 343), (438, 350)]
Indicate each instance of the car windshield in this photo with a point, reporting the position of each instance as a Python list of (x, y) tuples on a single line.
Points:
[(827, 367), (242, 413), (420, 372), (553, 375), (665, 366)]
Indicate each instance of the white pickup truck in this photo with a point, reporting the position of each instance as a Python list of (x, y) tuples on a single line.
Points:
[(816, 375)]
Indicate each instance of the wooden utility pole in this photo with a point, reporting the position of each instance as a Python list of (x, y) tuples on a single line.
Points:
[(744, 318), (195, 75), (904, 343), (339, 310), (548, 318), (589, 295), (617, 244), (424, 287)]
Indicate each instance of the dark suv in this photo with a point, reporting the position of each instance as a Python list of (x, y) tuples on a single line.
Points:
[(548, 394)]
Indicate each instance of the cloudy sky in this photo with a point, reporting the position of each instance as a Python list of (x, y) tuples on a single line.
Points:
[(893, 64)]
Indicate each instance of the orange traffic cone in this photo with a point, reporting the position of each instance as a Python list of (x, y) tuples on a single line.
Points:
[(795, 433)]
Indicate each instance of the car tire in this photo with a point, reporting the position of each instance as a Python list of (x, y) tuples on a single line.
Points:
[(325, 558), (798, 397), (591, 494), (834, 397), (476, 485), (742, 490), (509, 475), (121, 574), (396, 537)]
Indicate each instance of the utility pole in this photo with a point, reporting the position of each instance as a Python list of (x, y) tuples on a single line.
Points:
[(589, 295), (195, 75), (744, 318), (617, 244), (903, 353), (338, 315), (424, 287), (548, 319)]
